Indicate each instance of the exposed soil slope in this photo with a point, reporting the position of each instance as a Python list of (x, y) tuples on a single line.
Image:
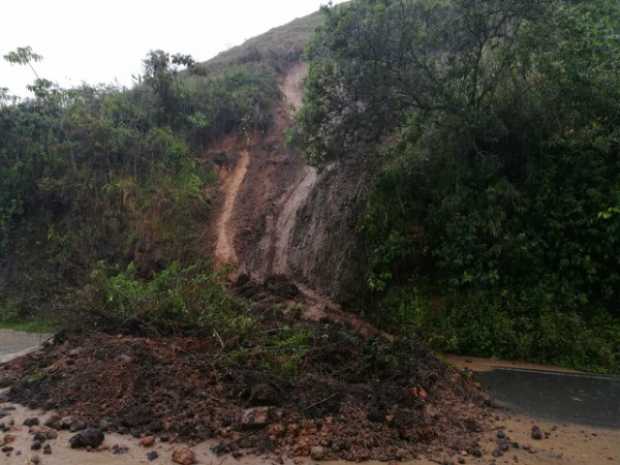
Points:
[(285, 217)]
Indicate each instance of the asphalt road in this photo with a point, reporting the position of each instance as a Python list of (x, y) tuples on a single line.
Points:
[(560, 397)]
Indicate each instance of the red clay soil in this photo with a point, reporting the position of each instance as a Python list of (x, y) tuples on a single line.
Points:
[(352, 397)]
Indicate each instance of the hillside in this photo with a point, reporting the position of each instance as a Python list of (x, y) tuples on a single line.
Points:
[(267, 249), (280, 45)]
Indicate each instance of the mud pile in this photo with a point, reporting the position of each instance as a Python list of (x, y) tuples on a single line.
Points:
[(338, 395)]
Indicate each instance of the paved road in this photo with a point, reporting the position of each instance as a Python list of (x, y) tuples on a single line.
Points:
[(13, 342), (559, 397)]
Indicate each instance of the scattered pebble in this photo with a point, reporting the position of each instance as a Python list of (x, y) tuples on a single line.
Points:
[(184, 456), (537, 433), (91, 437)]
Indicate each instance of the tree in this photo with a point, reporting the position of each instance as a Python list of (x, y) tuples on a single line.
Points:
[(160, 74), (24, 56)]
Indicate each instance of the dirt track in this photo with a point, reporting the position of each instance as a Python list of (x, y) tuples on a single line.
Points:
[(225, 252)]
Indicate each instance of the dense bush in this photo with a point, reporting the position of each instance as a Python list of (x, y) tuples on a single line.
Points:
[(175, 300), (493, 126), (106, 174)]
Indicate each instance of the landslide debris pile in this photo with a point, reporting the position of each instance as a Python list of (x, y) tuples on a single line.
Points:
[(286, 387)]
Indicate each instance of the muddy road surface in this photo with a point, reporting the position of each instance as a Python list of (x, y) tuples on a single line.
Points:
[(13, 343)]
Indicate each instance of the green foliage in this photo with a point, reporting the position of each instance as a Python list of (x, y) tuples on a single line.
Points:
[(105, 174), (489, 325), (174, 300), (493, 127)]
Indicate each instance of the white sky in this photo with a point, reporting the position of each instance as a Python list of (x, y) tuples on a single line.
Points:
[(103, 42)]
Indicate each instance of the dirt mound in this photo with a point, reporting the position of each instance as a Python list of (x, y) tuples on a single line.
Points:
[(289, 388)]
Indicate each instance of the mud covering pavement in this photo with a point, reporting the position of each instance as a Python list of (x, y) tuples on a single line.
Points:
[(13, 343)]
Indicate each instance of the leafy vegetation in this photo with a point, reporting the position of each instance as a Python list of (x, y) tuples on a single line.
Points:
[(492, 222), (109, 175)]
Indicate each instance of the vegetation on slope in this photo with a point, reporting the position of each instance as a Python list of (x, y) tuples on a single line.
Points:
[(492, 224), (97, 179)]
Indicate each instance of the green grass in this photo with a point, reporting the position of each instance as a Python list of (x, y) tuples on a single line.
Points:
[(282, 44)]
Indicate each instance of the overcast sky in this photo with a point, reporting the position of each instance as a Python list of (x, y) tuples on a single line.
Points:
[(95, 42)]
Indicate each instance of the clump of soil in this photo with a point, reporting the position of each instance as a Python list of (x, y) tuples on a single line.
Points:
[(322, 390)]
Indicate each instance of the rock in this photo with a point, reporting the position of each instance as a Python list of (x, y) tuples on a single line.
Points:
[(537, 433), (65, 422), (75, 352), (40, 437), (462, 460), (47, 449), (184, 456), (77, 425), (6, 381), (36, 445), (147, 441), (31, 421), (472, 425), (90, 437), (7, 439), (317, 453), (106, 424), (53, 422), (42, 433), (264, 394), (255, 418), (501, 435), (152, 456), (35, 460), (497, 453), (119, 450)]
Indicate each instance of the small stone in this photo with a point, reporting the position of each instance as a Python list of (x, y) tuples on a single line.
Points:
[(91, 437), (36, 445), (184, 456), (462, 461), (65, 422), (147, 441), (31, 421), (152, 456), (53, 422), (497, 453), (47, 449), (40, 437), (317, 453), (76, 426), (35, 460), (537, 433), (501, 435), (255, 418), (106, 424), (8, 439), (43, 433), (119, 450)]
